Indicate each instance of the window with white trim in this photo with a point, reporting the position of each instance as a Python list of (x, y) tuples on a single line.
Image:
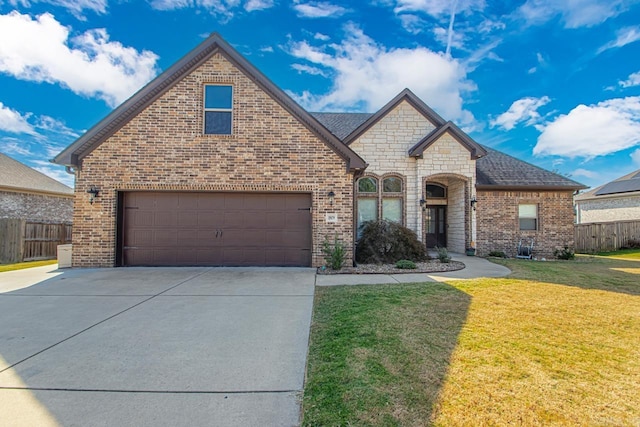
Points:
[(218, 109), (528, 217)]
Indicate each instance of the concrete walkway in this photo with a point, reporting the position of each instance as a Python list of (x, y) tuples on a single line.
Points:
[(475, 267), (154, 346)]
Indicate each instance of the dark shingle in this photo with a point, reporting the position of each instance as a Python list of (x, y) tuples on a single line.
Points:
[(501, 170), (341, 124)]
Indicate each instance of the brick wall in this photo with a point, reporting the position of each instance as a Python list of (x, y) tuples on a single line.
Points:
[(498, 227), (620, 208), (164, 148), (36, 207)]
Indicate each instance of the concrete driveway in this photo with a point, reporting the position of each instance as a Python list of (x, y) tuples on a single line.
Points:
[(154, 346)]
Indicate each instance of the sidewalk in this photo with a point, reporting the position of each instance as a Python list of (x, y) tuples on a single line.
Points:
[(475, 267)]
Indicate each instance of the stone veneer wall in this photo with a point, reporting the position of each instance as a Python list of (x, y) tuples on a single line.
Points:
[(385, 146), (620, 208), (36, 207), (498, 227), (449, 162), (164, 148)]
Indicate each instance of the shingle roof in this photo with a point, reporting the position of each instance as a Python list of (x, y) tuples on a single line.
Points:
[(341, 124), (498, 169), (16, 176), (494, 169), (629, 183)]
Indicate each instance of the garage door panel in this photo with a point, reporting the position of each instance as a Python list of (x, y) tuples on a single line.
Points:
[(231, 229)]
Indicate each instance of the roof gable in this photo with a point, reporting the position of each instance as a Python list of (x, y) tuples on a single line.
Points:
[(73, 155), (17, 176), (405, 95), (474, 148)]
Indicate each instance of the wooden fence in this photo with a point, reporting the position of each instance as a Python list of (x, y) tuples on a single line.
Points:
[(28, 241), (605, 236)]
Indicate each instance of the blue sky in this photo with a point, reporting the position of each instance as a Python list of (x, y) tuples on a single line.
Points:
[(552, 82)]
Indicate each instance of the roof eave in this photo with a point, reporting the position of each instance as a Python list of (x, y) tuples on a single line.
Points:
[(533, 187)]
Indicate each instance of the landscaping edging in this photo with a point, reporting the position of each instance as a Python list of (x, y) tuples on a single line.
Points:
[(433, 266)]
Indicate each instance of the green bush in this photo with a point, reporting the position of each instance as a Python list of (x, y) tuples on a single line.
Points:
[(334, 253), (386, 242), (405, 264), (564, 253), (443, 255), (497, 254)]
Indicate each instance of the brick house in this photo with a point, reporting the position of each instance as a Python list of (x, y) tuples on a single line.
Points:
[(28, 194), (212, 164), (618, 200)]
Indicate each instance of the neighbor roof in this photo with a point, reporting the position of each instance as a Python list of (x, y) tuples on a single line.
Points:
[(625, 185), (16, 177), (498, 170), (73, 155)]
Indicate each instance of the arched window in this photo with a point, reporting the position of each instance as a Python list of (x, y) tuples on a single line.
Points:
[(436, 191), (392, 199), (375, 201)]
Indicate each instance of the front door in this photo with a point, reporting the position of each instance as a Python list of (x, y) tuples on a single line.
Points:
[(435, 225)]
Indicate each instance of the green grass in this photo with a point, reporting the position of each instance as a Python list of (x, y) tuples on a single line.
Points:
[(623, 254), (556, 343), (23, 265)]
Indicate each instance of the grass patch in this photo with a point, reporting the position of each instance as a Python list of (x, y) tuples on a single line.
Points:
[(556, 343), (23, 265), (622, 254)]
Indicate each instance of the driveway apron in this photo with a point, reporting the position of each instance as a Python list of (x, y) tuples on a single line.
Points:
[(155, 346)]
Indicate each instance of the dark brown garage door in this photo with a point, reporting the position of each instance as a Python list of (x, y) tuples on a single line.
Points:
[(230, 229)]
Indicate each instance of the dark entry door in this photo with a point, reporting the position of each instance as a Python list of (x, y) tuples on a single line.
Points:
[(436, 226), (229, 229)]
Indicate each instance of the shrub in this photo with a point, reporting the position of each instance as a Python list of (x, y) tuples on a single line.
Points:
[(333, 253), (386, 242), (497, 254), (405, 264), (632, 244), (443, 255), (564, 253)]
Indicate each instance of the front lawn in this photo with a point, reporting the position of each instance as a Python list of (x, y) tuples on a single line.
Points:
[(23, 265), (622, 253), (556, 343)]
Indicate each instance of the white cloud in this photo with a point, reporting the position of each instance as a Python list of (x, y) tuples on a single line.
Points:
[(635, 156), (574, 13), (367, 75), (318, 9), (585, 173), (624, 36), (14, 146), (522, 110), (76, 7), (320, 36), (267, 49), (438, 8), (594, 130), (14, 122), (314, 71), (56, 172), (412, 23), (633, 80), (252, 5), (40, 50)]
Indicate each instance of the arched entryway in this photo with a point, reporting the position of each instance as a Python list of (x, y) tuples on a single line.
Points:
[(446, 212)]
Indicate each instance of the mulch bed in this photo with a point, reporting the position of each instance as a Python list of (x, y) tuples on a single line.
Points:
[(432, 266)]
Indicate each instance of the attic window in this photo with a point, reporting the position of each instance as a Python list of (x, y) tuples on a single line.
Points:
[(218, 109)]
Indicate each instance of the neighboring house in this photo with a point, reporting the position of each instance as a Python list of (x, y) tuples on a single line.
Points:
[(618, 200), (211, 163), (28, 194)]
